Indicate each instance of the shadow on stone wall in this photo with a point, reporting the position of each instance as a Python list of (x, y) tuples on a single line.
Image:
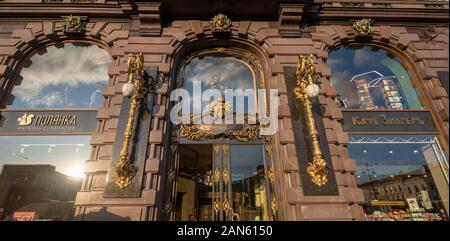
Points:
[(101, 215)]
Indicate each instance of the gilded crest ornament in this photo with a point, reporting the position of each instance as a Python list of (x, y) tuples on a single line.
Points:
[(364, 27), (73, 24), (220, 23)]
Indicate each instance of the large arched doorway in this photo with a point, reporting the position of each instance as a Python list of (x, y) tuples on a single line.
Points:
[(221, 171)]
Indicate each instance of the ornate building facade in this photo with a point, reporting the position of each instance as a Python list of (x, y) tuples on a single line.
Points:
[(85, 86)]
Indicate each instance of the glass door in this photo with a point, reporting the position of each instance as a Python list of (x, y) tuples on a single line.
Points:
[(222, 182)]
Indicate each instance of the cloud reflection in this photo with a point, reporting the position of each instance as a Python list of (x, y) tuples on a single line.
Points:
[(63, 78)]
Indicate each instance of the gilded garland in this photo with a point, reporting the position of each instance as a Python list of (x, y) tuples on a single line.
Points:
[(200, 132), (317, 169), (125, 171)]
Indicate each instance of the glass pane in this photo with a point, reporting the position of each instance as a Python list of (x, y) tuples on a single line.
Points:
[(220, 73), (63, 76), (400, 179), (369, 78), (249, 192), (41, 175), (194, 183)]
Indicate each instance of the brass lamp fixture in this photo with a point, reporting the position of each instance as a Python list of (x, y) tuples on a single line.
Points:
[(134, 89), (305, 91)]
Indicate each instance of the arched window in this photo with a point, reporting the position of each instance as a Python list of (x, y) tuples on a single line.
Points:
[(371, 78), (66, 75), (375, 86), (222, 71)]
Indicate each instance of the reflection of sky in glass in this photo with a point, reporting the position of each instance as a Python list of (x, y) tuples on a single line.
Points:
[(217, 73), (384, 160), (345, 63), (245, 161), (64, 76), (66, 153)]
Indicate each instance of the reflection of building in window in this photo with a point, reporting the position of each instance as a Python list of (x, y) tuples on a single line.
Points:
[(37, 189), (391, 95), (365, 98), (392, 188), (378, 78), (380, 88)]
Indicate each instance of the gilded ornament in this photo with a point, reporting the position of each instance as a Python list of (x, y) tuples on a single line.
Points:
[(226, 149), (364, 27), (220, 23), (246, 134), (226, 206), (271, 175), (226, 175), (216, 175), (217, 206), (73, 24), (317, 169), (124, 169), (274, 205)]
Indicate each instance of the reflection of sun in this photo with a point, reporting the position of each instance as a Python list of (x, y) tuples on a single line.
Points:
[(76, 171)]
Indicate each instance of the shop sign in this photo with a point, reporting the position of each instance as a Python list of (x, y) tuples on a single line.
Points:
[(47, 122), (387, 121), (387, 203)]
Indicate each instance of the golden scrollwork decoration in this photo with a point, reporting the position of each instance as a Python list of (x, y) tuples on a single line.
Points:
[(226, 176), (124, 169), (73, 24), (271, 175), (364, 27), (246, 134), (226, 149), (216, 175), (220, 23), (274, 206), (226, 206), (217, 206), (317, 169), (201, 132)]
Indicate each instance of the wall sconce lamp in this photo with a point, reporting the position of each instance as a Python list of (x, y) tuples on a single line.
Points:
[(305, 91), (134, 89)]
